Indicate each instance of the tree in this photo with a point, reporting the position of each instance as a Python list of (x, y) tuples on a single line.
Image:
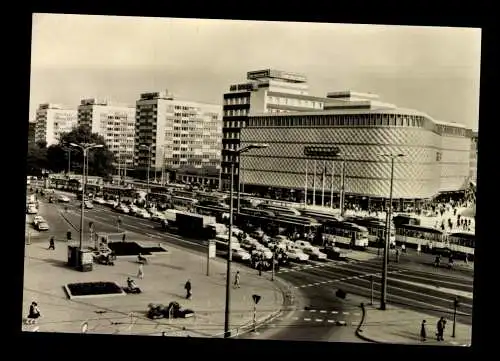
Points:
[(36, 158), (100, 160)]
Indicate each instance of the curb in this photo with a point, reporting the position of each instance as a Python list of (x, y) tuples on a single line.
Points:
[(248, 327)]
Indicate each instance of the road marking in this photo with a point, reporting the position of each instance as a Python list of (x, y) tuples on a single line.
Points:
[(464, 294), (319, 320), (345, 313), (152, 235), (317, 283), (323, 311), (335, 312), (295, 318), (146, 225), (312, 310), (331, 321), (99, 217), (307, 319), (357, 314)]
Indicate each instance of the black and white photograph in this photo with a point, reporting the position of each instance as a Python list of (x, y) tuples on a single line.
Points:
[(261, 180)]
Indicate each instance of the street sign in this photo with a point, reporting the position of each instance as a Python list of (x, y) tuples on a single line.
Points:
[(211, 249), (256, 298)]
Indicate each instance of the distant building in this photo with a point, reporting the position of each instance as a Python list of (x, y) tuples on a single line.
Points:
[(181, 134), (436, 153), (116, 123), (267, 91), (473, 157), (52, 120), (31, 132)]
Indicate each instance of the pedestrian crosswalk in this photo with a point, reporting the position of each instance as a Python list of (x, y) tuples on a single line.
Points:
[(366, 275)]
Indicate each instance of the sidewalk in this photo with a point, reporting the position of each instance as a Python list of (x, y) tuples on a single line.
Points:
[(46, 273), (401, 326)]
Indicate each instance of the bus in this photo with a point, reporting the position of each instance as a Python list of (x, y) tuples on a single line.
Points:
[(280, 210), (346, 234), (462, 244), (429, 239), (221, 214), (376, 230), (183, 203)]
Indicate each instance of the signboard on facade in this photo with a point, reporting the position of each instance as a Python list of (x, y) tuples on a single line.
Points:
[(320, 152)]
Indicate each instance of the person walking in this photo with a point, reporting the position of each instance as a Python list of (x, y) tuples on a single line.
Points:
[(52, 245), (140, 271), (187, 287), (237, 279), (423, 332), (419, 249)]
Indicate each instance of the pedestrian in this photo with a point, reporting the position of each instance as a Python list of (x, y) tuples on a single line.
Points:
[(237, 280), (33, 313), (423, 332), (124, 237), (440, 329), (397, 255), (419, 249), (403, 248), (140, 272), (187, 287), (52, 243)]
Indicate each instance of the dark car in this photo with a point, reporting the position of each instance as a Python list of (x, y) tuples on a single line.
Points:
[(173, 310)]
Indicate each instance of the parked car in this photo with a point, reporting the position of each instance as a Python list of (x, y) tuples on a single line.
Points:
[(133, 209), (302, 244), (42, 226), (239, 254), (266, 252), (297, 255)]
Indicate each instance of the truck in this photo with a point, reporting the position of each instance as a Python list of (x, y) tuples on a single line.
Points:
[(194, 225)]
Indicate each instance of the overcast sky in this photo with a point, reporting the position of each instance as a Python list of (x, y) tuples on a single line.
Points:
[(432, 69)]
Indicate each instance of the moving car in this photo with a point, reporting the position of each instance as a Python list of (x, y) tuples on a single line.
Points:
[(122, 208), (99, 200), (42, 226), (142, 213), (157, 216), (88, 205), (133, 209), (32, 209), (37, 220), (239, 254), (266, 252), (63, 199), (314, 253), (297, 255)]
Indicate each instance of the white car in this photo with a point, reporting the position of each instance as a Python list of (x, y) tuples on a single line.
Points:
[(157, 216), (63, 199), (303, 244), (42, 226), (296, 254), (122, 208), (88, 205), (37, 220), (250, 243), (314, 253), (99, 200), (142, 213), (32, 209), (240, 254), (261, 250)]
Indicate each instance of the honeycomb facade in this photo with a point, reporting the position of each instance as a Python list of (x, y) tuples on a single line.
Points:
[(436, 154)]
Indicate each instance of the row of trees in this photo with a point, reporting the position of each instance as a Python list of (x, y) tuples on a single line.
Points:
[(57, 157)]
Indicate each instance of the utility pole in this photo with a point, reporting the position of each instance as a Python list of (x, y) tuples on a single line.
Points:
[(455, 307)]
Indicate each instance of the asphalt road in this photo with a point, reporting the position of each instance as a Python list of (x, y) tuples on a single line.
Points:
[(320, 315)]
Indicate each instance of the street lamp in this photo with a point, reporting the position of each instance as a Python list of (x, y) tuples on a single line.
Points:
[(85, 147), (148, 147), (383, 295), (230, 251)]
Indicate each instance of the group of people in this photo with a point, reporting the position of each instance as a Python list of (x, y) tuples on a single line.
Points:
[(440, 326)]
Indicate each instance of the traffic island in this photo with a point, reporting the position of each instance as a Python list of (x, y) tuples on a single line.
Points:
[(92, 290)]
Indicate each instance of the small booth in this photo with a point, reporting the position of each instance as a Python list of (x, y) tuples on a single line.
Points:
[(80, 259)]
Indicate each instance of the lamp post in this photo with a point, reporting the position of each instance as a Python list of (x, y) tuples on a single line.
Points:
[(85, 147), (68, 149), (383, 294), (148, 147), (230, 251)]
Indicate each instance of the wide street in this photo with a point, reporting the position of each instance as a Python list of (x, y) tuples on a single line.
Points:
[(318, 314)]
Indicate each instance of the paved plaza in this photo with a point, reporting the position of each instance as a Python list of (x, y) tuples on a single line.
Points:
[(46, 273)]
